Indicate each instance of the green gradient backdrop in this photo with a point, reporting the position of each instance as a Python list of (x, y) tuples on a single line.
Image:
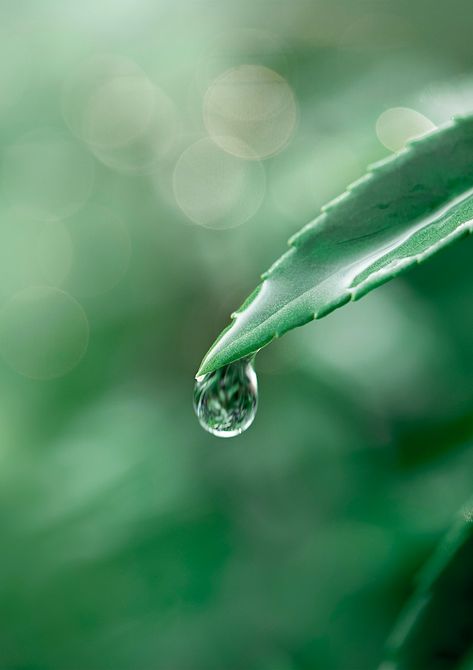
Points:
[(131, 539)]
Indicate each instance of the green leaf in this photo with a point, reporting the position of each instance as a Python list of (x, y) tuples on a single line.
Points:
[(436, 630), (405, 209)]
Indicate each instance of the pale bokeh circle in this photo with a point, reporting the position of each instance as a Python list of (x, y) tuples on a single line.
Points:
[(44, 332), (216, 189), (142, 153), (250, 111), (398, 125), (119, 110), (128, 122), (47, 173), (101, 250), (89, 84)]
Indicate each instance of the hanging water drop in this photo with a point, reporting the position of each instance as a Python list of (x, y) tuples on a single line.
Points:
[(225, 400)]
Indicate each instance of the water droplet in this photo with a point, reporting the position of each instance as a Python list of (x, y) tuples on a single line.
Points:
[(225, 400)]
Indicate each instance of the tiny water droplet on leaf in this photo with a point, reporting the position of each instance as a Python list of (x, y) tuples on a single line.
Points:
[(226, 399)]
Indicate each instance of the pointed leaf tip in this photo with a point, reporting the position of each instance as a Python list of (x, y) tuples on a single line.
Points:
[(403, 210)]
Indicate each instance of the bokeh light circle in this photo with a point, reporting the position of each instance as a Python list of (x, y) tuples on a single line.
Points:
[(47, 173), (85, 92), (250, 111), (44, 332), (216, 189), (119, 110), (127, 121), (398, 125), (141, 154)]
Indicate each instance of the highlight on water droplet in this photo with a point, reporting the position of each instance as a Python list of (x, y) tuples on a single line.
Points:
[(226, 399)]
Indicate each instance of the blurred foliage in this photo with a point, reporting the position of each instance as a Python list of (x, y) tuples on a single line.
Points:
[(131, 539), (436, 629)]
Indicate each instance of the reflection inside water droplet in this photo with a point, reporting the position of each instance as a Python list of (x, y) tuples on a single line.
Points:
[(226, 400)]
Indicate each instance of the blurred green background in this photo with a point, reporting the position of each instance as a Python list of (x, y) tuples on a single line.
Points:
[(155, 157)]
